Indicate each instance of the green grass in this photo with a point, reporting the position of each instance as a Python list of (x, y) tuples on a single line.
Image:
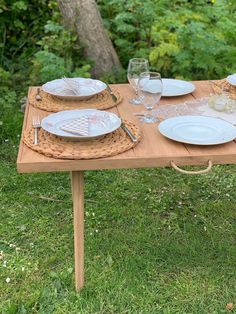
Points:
[(155, 241)]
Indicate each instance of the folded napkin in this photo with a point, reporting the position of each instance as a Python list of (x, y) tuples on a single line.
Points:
[(71, 84), (78, 126)]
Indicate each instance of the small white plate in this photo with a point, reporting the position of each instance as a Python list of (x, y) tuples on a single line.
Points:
[(173, 87), (198, 130), (231, 79), (87, 88), (100, 123)]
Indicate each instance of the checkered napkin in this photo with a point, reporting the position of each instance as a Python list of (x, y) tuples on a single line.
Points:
[(78, 126)]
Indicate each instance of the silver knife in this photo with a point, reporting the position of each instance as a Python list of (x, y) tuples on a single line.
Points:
[(113, 96), (127, 131)]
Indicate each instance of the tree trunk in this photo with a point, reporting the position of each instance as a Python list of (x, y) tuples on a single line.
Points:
[(85, 17)]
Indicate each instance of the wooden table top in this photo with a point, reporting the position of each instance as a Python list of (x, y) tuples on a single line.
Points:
[(154, 150)]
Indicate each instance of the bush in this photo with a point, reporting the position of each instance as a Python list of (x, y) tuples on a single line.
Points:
[(31, 33), (185, 39)]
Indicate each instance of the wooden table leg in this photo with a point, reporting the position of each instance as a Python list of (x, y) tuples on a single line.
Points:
[(77, 187)]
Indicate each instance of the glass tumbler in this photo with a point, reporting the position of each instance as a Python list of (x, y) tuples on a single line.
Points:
[(150, 88)]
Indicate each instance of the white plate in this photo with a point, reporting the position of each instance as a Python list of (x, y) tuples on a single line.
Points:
[(231, 79), (173, 87), (87, 88), (100, 123), (198, 130)]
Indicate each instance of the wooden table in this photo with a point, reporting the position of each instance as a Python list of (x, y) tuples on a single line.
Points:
[(153, 151)]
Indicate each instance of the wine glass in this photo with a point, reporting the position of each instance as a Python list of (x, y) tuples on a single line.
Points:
[(135, 67), (150, 87)]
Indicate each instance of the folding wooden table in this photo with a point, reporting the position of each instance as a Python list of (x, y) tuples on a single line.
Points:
[(154, 150)]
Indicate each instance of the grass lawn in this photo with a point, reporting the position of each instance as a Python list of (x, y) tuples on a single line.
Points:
[(155, 241)]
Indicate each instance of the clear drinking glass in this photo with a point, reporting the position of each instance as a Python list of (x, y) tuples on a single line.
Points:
[(135, 68), (150, 87)]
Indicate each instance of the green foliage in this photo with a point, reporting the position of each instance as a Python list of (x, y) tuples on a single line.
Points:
[(130, 24), (188, 44), (10, 117), (4, 77), (59, 55), (47, 66), (32, 37), (185, 39), (21, 23), (114, 77)]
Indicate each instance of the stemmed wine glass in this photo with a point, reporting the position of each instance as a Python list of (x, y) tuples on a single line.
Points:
[(150, 87), (135, 68)]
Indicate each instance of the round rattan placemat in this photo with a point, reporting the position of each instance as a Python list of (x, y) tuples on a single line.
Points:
[(108, 145), (224, 86), (51, 103)]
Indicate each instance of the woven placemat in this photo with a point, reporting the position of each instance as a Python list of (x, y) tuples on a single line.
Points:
[(108, 145), (51, 103), (224, 86)]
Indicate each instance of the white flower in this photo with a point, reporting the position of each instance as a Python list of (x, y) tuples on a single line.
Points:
[(8, 280), (5, 264), (23, 268)]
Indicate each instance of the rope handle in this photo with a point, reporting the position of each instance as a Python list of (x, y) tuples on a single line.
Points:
[(192, 172)]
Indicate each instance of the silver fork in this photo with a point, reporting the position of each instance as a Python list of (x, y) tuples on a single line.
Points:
[(36, 125)]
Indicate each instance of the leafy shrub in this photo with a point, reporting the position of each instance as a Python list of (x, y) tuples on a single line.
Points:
[(130, 24), (185, 39), (189, 45), (21, 23), (59, 55), (47, 66), (31, 33), (4, 77), (10, 118)]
